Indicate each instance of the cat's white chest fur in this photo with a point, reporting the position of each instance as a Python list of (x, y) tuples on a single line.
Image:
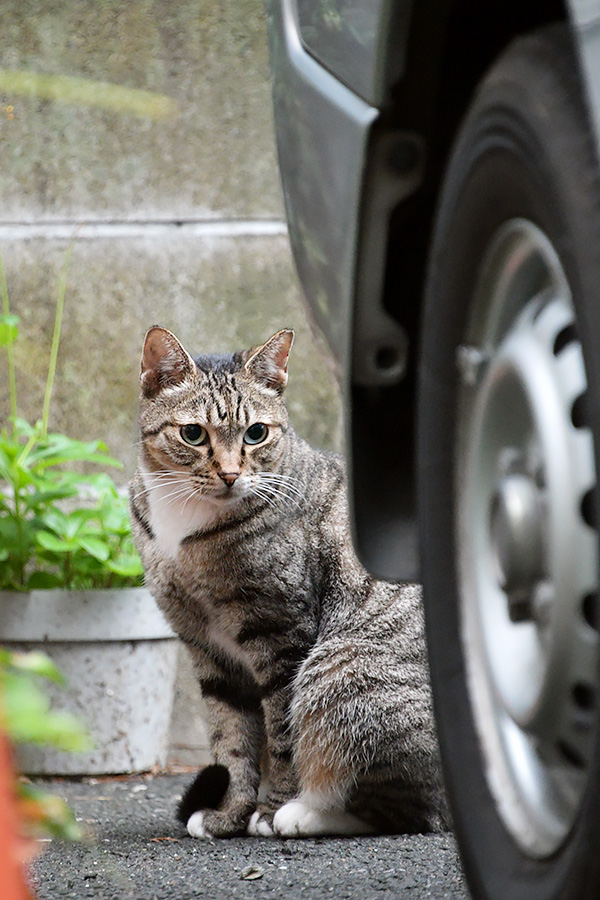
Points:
[(174, 514), (173, 517)]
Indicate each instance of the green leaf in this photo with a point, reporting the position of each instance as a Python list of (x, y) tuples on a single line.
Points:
[(40, 581), (18, 476), (95, 546), (37, 663), (17, 540), (51, 542), (47, 493), (26, 428), (59, 449), (126, 565), (52, 814), (79, 523), (102, 484), (29, 718), (64, 731), (54, 520)]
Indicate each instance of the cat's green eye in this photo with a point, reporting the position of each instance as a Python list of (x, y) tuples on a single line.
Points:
[(256, 434), (195, 435)]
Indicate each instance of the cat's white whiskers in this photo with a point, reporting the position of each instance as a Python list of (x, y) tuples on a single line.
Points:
[(147, 489), (191, 491), (278, 487), (279, 496), (278, 476), (178, 494), (265, 494), (166, 482), (156, 481), (182, 487), (272, 495), (286, 482), (167, 476), (196, 493)]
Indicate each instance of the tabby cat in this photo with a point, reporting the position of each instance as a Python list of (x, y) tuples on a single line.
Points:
[(314, 674)]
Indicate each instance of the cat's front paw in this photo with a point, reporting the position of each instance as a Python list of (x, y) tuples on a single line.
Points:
[(209, 823), (196, 827), (299, 818), (205, 792), (260, 825)]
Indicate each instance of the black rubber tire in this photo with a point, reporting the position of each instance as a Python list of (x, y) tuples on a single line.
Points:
[(524, 151)]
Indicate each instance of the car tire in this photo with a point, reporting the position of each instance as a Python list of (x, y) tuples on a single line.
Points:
[(508, 448)]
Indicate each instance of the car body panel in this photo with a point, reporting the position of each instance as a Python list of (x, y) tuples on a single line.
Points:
[(309, 102), (362, 44), (356, 129), (585, 17)]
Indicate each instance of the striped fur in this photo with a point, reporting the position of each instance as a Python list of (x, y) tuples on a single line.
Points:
[(314, 674)]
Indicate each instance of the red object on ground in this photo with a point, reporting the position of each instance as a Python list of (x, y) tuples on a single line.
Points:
[(12, 878)]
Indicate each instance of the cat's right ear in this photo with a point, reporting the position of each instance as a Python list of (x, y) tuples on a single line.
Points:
[(164, 361)]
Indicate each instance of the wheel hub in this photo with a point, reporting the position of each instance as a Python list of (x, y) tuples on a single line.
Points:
[(516, 529)]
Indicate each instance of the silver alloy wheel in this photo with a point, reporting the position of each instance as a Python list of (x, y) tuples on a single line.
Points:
[(526, 545)]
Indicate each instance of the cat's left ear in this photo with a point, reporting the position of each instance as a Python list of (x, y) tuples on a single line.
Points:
[(269, 362), (164, 361)]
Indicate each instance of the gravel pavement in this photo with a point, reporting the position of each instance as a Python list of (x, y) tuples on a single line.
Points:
[(135, 850)]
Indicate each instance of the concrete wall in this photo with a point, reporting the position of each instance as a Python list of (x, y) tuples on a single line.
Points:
[(140, 133)]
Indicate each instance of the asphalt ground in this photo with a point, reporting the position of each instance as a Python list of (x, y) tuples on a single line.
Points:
[(136, 850)]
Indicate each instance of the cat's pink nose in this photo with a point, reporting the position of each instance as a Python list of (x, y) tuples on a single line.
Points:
[(229, 477)]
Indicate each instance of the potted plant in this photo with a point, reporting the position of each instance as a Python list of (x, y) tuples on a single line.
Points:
[(70, 583)]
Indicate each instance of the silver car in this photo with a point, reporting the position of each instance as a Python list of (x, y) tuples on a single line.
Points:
[(440, 171)]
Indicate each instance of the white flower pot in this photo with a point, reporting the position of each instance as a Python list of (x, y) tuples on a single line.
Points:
[(119, 657)]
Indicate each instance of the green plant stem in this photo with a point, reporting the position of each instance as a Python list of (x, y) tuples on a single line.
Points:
[(19, 524), (22, 459), (12, 383), (12, 379), (60, 302), (67, 575)]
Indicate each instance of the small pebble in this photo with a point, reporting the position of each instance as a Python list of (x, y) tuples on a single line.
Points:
[(251, 873)]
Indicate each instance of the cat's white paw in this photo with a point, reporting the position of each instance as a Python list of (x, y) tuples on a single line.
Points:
[(196, 827), (259, 827), (299, 819)]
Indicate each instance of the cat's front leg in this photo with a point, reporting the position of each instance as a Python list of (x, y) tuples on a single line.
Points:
[(223, 796), (282, 780)]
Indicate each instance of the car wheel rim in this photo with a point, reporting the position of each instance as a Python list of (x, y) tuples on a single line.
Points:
[(526, 545)]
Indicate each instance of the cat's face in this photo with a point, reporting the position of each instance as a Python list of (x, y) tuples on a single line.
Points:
[(213, 428)]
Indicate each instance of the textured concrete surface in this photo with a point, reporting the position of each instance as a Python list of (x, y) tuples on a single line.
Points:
[(122, 691), (136, 851), (213, 154), (189, 733)]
